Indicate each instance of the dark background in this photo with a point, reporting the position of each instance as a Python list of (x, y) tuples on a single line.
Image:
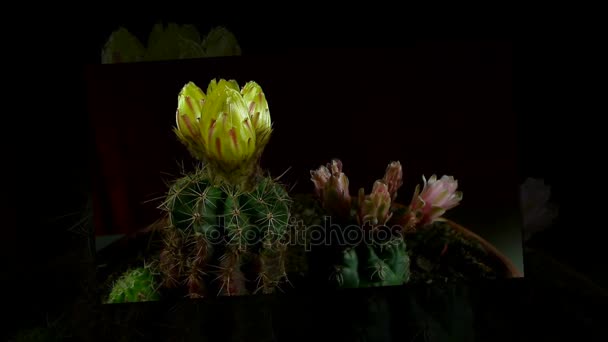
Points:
[(546, 100), (438, 108)]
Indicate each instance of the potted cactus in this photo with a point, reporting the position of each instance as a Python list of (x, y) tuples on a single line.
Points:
[(228, 228), (384, 242)]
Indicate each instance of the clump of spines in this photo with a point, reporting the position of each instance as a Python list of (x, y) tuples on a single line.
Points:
[(224, 238), (135, 285)]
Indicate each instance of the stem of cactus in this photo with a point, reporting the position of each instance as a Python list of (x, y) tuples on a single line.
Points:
[(227, 230), (370, 265)]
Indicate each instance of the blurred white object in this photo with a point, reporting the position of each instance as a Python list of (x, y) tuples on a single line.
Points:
[(538, 212)]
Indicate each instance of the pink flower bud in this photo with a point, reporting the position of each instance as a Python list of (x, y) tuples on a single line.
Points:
[(320, 177), (375, 207), (331, 185), (393, 177)]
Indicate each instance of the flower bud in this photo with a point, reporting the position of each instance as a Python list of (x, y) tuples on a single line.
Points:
[(375, 207), (331, 185), (122, 47), (393, 178), (221, 42)]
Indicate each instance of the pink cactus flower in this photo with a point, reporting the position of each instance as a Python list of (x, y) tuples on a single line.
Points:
[(437, 196)]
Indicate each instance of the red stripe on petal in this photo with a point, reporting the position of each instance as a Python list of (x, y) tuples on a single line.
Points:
[(189, 103), (211, 129), (251, 107), (224, 118), (232, 134), (218, 147), (246, 123), (193, 132)]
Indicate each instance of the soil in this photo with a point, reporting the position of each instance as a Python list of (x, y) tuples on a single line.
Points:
[(441, 254)]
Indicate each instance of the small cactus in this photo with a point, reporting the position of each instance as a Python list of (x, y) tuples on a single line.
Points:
[(135, 285), (378, 259), (372, 266)]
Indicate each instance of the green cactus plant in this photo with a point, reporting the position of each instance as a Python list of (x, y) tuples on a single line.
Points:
[(227, 222), (134, 285), (379, 257), (220, 231), (373, 266)]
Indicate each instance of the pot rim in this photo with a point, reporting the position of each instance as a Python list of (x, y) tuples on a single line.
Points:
[(510, 269)]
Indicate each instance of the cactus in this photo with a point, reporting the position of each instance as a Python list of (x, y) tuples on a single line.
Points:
[(223, 230), (372, 266), (135, 285), (379, 255), (228, 223)]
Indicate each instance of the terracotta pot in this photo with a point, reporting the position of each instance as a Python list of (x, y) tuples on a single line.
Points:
[(508, 268)]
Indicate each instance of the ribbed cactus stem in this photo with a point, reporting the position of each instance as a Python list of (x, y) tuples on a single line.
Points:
[(272, 267), (373, 265), (231, 277), (135, 285), (172, 258), (198, 265), (225, 229)]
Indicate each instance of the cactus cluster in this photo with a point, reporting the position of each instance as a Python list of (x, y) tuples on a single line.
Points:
[(134, 285), (380, 256), (373, 254), (223, 239), (230, 225)]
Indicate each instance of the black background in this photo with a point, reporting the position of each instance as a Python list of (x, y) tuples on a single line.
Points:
[(52, 175)]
